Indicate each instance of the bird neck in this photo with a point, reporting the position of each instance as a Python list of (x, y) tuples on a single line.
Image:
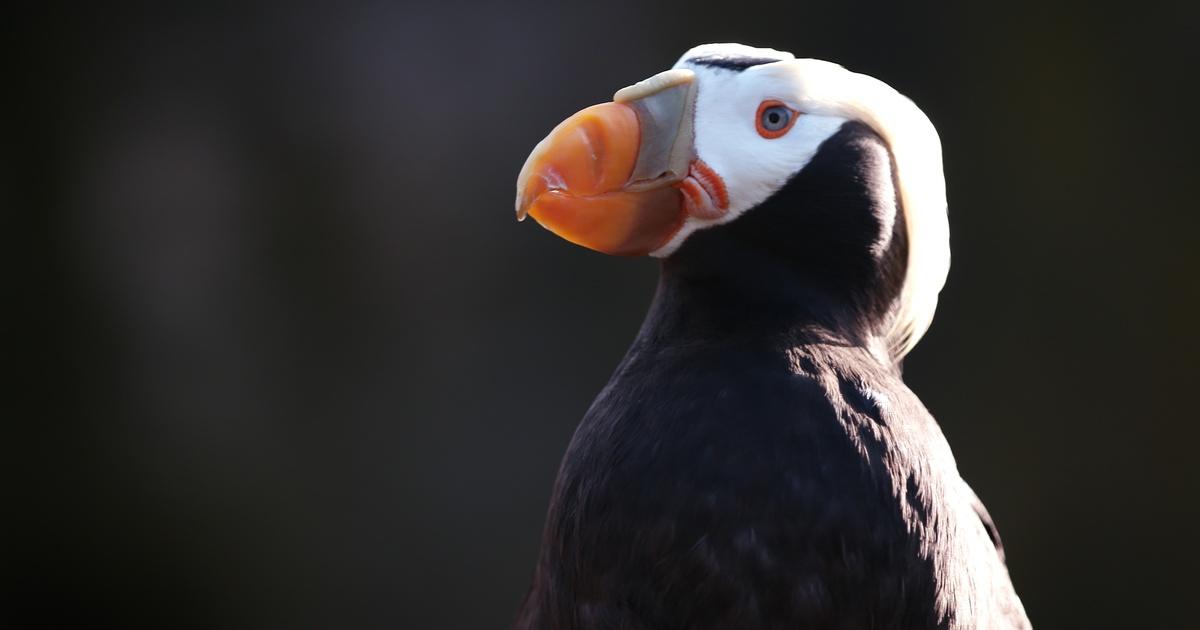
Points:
[(763, 303)]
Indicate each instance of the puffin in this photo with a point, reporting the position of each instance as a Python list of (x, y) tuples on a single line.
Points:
[(756, 459)]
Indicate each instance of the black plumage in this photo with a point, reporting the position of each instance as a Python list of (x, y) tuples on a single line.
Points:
[(756, 460), (736, 63)]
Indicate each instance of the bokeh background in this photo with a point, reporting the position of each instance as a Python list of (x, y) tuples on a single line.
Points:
[(286, 360)]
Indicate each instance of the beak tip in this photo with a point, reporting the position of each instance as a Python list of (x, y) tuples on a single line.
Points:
[(522, 208)]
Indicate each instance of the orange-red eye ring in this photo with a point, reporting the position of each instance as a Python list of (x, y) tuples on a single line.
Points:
[(773, 133)]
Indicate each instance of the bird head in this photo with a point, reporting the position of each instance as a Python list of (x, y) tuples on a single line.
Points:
[(806, 162)]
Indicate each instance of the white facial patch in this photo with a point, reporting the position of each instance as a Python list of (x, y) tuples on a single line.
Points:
[(752, 177), (752, 167), (733, 80)]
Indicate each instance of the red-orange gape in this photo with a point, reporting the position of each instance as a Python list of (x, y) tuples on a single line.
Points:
[(705, 196)]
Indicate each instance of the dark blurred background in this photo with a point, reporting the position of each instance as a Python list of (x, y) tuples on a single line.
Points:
[(287, 360)]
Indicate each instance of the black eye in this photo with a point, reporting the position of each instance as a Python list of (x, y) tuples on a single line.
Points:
[(775, 118)]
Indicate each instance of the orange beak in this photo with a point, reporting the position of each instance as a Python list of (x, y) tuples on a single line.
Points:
[(606, 178)]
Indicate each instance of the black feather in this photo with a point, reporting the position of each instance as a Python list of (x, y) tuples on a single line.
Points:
[(730, 62)]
